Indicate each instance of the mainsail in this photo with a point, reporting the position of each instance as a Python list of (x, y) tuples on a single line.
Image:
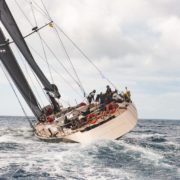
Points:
[(9, 61), (12, 28)]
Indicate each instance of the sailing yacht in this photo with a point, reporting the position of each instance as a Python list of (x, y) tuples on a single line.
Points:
[(84, 122)]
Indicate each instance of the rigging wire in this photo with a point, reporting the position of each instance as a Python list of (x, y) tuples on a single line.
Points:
[(45, 55), (24, 62), (46, 13), (23, 13), (40, 37), (27, 36), (40, 85), (36, 6), (49, 47), (34, 31), (37, 31), (46, 9), (68, 57), (69, 84), (30, 2), (82, 52), (51, 52), (19, 101), (62, 64)]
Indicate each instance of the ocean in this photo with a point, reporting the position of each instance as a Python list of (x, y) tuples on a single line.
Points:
[(151, 151)]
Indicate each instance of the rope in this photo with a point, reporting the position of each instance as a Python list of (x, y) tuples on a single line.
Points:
[(12, 87)]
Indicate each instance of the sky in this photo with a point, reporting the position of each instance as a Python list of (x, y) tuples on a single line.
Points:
[(134, 43)]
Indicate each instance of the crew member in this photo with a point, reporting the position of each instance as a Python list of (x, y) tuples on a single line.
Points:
[(91, 96), (127, 95), (108, 90)]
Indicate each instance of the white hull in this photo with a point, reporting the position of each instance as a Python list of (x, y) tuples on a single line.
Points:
[(111, 129)]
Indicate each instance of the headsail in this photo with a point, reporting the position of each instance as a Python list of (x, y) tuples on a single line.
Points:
[(9, 61), (12, 28)]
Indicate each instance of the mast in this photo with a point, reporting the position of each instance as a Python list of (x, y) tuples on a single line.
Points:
[(9, 61), (12, 28)]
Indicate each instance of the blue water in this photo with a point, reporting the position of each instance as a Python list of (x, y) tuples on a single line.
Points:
[(150, 151)]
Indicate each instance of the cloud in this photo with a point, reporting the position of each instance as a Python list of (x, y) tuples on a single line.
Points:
[(135, 43)]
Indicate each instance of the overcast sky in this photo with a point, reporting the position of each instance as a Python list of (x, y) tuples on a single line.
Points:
[(136, 43)]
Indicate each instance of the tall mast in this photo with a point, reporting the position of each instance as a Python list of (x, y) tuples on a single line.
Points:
[(9, 61), (12, 28)]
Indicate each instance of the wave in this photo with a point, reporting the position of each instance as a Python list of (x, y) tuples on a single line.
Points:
[(145, 153)]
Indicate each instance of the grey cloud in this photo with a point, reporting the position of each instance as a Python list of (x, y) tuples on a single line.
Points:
[(166, 7), (133, 42)]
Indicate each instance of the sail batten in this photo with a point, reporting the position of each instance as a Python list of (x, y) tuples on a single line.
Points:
[(9, 61), (13, 30)]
